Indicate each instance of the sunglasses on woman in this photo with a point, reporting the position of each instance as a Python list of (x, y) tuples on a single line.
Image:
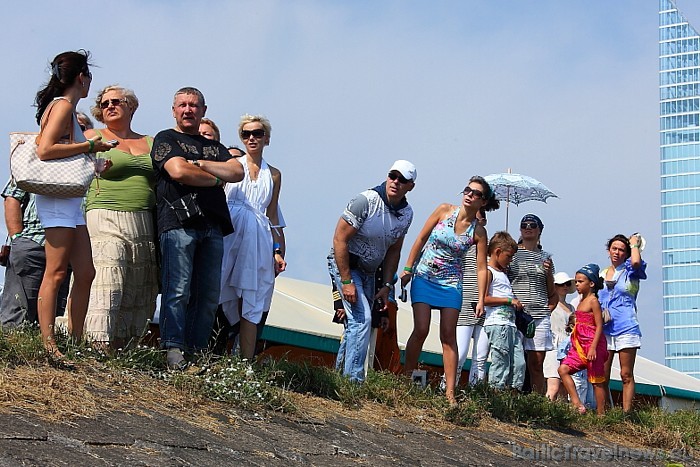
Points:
[(529, 225), (257, 133), (475, 193), (111, 102), (566, 284)]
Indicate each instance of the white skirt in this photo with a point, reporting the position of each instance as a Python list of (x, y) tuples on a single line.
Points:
[(248, 268)]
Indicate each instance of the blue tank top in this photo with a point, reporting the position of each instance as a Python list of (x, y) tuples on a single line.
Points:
[(441, 260)]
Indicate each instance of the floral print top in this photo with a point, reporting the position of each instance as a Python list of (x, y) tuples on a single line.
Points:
[(441, 259)]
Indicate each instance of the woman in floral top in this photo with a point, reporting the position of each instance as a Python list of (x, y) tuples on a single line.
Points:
[(435, 265)]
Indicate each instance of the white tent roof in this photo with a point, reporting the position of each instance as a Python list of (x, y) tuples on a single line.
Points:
[(306, 307)]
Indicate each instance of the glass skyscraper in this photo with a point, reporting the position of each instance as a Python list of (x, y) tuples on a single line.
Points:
[(679, 83)]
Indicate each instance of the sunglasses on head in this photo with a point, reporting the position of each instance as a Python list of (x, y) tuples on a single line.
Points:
[(395, 175), (471, 191), (113, 102), (529, 225), (257, 133)]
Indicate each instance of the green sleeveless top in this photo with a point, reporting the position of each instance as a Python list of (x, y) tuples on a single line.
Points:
[(127, 185)]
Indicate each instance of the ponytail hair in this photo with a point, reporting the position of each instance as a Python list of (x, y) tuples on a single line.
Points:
[(65, 69), (491, 203)]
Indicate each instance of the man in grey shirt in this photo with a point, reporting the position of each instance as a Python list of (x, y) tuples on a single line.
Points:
[(369, 232)]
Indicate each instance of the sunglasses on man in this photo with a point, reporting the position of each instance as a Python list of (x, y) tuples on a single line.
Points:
[(396, 175)]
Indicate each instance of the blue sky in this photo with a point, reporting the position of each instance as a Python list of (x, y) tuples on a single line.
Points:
[(564, 91)]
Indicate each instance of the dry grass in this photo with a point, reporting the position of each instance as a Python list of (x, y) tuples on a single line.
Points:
[(89, 391), (135, 382)]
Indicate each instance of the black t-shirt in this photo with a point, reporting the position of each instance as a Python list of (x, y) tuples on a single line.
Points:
[(211, 200)]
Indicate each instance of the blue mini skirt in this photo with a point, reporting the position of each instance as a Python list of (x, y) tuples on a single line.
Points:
[(435, 295)]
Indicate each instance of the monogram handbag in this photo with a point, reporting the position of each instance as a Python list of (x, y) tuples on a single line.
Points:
[(69, 177)]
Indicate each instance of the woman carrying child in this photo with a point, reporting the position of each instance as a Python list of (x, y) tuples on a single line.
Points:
[(588, 346), (506, 342)]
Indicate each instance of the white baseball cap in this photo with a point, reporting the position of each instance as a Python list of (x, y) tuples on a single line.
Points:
[(405, 168), (562, 278)]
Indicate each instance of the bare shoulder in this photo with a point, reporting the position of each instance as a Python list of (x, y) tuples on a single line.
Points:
[(274, 171), (480, 232), (60, 107), (445, 208), (275, 174)]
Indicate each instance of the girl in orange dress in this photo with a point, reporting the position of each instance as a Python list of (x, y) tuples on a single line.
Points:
[(588, 347)]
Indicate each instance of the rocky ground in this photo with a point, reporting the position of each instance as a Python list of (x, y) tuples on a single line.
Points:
[(202, 433)]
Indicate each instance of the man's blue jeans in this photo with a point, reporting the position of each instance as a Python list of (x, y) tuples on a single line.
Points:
[(358, 325), (191, 281)]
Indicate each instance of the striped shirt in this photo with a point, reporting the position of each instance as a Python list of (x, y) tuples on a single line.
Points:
[(33, 230), (470, 290), (529, 280)]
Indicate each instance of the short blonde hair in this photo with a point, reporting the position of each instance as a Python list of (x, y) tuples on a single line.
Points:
[(132, 102), (255, 118), (208, 121)]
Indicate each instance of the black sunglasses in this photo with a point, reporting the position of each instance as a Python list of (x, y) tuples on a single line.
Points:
[(257, 133), (566, 284), (112, 102), (529, 225), (471, 191), (395, 175)]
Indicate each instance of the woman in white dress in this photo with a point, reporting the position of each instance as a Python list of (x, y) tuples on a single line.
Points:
[(254, 252)]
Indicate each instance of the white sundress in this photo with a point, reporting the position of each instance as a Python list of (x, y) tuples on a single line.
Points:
[(247, 269)]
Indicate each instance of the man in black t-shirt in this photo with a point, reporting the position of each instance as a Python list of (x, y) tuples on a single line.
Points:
[(193, 218)]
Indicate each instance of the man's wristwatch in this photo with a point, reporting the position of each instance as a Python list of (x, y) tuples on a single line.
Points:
[(389, 285), (195, 163)]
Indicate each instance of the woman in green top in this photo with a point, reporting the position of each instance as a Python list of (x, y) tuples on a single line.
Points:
[(119, 213)]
